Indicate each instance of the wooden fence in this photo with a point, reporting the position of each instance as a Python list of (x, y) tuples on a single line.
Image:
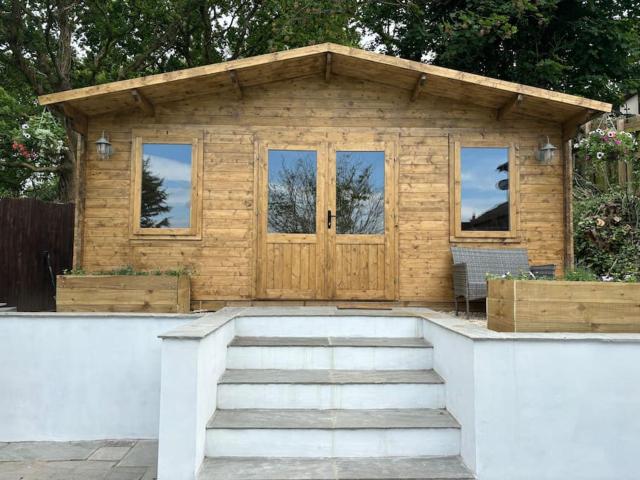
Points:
[(36, 244)]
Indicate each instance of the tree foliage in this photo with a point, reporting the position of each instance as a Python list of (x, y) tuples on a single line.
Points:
[(586, 47), (153, 199)]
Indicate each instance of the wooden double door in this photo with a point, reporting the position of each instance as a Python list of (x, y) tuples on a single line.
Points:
[(326, 221)]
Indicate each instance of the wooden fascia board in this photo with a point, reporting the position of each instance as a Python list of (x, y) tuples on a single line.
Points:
[(377, 58), (471, 78), (189, 73)]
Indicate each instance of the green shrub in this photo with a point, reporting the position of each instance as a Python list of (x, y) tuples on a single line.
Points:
[(607, 232), (580, 275), (128, 270)]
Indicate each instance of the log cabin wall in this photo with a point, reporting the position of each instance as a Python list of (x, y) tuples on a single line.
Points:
[(306, 110)]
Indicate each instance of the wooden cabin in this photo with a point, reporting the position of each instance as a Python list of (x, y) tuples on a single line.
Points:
[(324, 173)]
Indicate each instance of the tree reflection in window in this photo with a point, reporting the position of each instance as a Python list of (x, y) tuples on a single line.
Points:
[(166, 186), (359, 192), (292, 191), (484, 176)]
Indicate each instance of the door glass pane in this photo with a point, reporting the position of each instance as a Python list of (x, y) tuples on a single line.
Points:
[(360, 192), (166, 186), (484, 176), (292, 191)]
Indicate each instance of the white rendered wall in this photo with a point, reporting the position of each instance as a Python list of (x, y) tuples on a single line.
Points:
[(80, 377), (190, 372), (547, 407), (557, 409)]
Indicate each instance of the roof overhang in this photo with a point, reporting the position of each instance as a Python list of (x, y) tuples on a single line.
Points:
[(327, 59)]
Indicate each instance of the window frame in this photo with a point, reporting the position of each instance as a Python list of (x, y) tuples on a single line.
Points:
[(457, 234), (180, 137)]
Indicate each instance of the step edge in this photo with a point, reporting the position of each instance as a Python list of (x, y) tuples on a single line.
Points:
[(434, 377), (443, 412)]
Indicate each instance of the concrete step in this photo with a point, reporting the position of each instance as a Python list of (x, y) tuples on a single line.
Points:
[(373, 324), (332, 433), (330, 353), (330, 389), (410, 468)]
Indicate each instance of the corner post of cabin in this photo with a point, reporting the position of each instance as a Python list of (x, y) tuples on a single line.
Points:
[(79, 124), (568, 202)]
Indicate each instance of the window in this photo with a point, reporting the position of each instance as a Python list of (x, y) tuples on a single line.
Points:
[(292, 191), (484, 191), (166, 193), (359, 192)]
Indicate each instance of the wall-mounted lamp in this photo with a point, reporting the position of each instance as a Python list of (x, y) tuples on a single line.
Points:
[(546, 152), (104, 148)]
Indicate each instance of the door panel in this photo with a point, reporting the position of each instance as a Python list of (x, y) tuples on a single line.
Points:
[(291, 225), (361, 245), (326, 221)]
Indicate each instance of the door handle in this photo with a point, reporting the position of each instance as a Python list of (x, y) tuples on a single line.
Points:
[(329, 219)]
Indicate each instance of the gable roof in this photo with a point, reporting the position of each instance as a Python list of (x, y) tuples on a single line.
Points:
[(328, 59)]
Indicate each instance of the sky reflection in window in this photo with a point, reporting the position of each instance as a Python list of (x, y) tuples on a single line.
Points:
[(166, 185), (484, 175)]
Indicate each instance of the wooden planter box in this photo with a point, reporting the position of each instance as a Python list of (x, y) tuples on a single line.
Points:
[(123, 293), (560, 306)]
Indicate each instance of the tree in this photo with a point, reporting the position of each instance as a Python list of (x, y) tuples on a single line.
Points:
[(154, 199), (292, 198), (48, 46), (359, 208), (31, 151), (585, 47)]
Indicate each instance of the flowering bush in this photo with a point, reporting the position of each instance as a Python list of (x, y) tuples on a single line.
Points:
[(603, 148), (31, 157), (607, 232)]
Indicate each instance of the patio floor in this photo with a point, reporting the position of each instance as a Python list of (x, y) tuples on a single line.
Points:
[(90, 460)]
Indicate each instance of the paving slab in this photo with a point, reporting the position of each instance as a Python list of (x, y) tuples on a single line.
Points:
[(66, 470), (266, 469), (48, 451), (413, 468), (109, 453), (126, 473), (265, 376), (332, 419), (143, 454)]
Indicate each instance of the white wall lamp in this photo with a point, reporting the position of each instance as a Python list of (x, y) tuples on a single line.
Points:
[(104, 148), (546, 152)]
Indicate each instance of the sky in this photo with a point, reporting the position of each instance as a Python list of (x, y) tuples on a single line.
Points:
[(172, 163), (479, 176)]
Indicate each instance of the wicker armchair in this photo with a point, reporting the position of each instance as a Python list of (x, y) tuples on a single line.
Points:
[(471, 266)]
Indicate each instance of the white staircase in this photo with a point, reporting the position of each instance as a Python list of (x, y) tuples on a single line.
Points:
[(316, 406)]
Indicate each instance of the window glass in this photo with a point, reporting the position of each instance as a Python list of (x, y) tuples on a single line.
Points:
[(292, 191), (360, 192), (166, 186), (484, 176)]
